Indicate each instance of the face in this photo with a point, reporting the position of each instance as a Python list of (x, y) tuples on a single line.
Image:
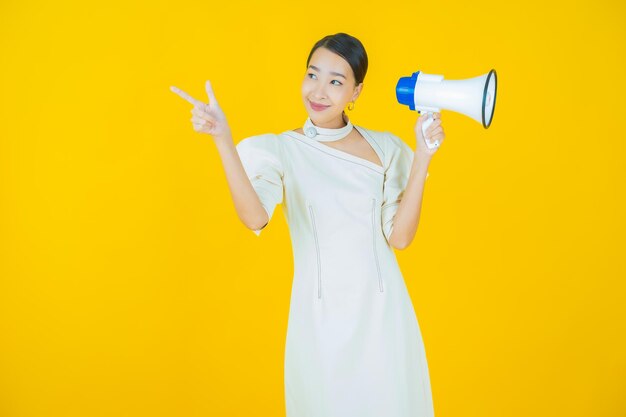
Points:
[(329, 82)]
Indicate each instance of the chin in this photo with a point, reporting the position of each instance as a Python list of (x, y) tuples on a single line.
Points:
[(322, 116), (316, 119)]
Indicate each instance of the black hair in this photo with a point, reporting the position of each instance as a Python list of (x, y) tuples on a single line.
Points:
[(349, 48)]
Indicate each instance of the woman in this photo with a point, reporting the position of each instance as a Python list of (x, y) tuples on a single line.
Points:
[(350, 195)]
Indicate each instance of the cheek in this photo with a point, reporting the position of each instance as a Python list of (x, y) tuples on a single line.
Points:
[(339, 95), (306, 88)]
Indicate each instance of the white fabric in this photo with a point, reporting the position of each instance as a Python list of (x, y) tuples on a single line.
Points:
[(324, 134), (354, 346)]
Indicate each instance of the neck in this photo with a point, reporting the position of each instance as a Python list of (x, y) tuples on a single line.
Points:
[(336, 123)]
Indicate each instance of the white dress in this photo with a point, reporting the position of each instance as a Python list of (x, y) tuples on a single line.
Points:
[(354, 346)]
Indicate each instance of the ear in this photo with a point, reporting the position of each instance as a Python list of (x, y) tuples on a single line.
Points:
[(357, 92)]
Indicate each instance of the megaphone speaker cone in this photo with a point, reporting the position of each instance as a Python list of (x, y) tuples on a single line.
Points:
[(489, 98)]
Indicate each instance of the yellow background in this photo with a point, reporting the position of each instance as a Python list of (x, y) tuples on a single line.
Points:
[(128, 286)]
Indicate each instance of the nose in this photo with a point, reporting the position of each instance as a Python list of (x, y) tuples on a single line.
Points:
[(319, 92)]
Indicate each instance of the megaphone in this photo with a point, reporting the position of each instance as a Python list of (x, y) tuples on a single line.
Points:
[(473, 97)]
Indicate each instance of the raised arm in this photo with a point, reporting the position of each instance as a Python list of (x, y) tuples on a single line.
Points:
[(406, 185), (210, 119), (247, 202)]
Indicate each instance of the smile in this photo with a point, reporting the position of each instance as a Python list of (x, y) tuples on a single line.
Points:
[(317, 107)]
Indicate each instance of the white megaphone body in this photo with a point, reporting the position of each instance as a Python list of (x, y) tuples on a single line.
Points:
[(473, 97)]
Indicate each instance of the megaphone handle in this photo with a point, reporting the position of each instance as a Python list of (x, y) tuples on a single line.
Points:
[(425, 125)]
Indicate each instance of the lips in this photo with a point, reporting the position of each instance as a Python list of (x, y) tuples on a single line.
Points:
[(316, 106)]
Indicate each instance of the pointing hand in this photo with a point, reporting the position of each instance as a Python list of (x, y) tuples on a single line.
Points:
[(207, 118)]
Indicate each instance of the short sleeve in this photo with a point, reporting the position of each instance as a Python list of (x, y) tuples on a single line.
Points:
[(261, 159), (396, 179)]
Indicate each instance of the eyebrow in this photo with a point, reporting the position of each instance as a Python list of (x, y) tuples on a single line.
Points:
[(332, 73)]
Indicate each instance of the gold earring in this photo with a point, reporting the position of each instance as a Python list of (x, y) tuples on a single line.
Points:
[(351, 108)]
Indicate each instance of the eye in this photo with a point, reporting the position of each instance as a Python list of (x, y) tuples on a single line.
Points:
[(311, 75)]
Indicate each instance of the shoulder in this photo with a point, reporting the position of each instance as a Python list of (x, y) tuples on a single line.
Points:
[(392, 145), (269, 142), (385, 138), (398, 144), (262, 140), (264, 147)]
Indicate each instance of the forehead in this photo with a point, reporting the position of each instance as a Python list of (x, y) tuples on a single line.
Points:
[(328, 61)]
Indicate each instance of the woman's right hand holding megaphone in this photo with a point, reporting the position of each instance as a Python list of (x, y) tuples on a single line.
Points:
[(434, 132), (207, 118)]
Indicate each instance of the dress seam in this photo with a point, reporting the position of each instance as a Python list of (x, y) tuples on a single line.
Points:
[(380, 278), (317, 248)]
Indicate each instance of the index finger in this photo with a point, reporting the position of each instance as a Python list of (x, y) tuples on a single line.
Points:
[(187, 97)]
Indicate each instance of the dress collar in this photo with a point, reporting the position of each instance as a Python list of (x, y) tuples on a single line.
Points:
[(322, 134)]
